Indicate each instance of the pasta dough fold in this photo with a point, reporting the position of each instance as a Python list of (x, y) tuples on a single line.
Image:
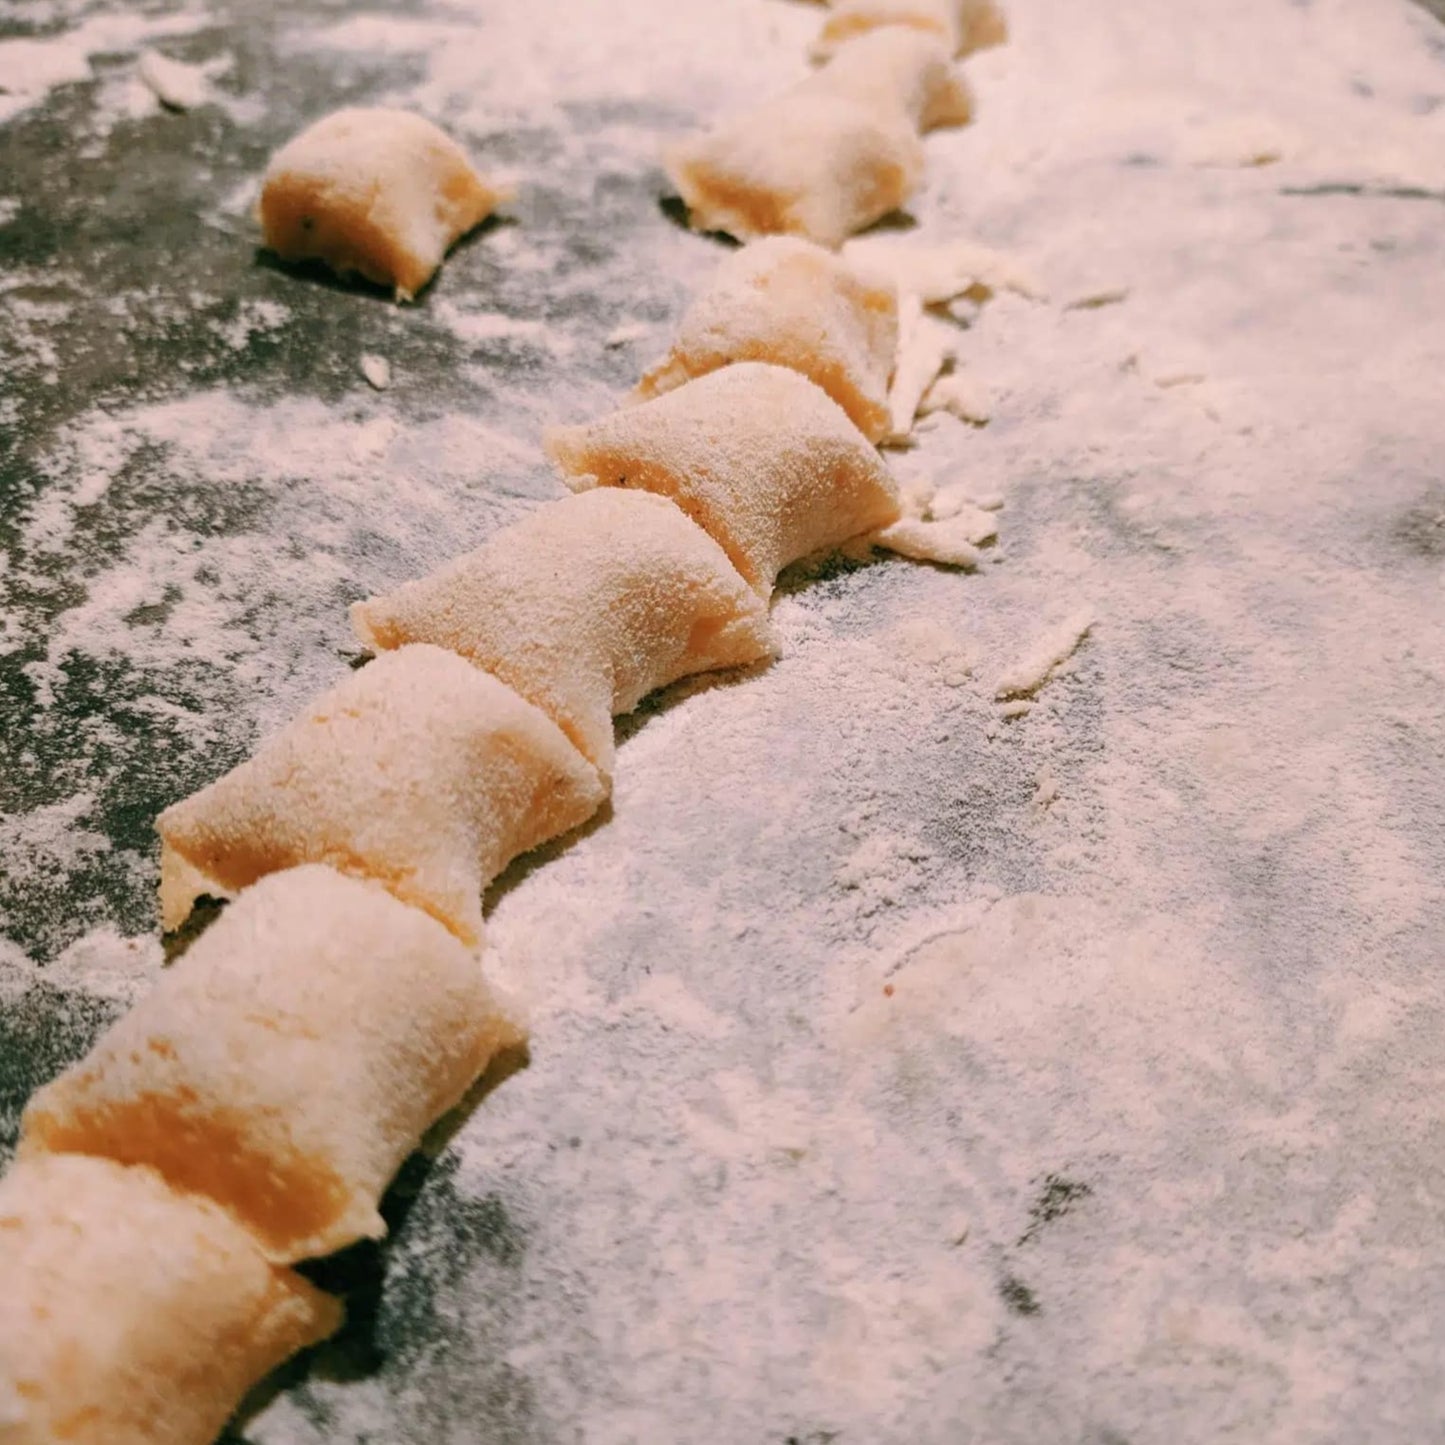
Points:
[(806, 163), (756, 454), (233, 1079), (793, 304), (584, 607), (419, 771), (382, 193), (132, 1315)]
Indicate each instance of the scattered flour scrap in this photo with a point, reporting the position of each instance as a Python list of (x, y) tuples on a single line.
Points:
[(1097, 300), (937, 273), (176, 85), (1034, 669), (623, 335), (958, 395), (9, 209), (1242, 141), (925, 346), (944, 542), (377, 370), (1046, 786), (950, 501)]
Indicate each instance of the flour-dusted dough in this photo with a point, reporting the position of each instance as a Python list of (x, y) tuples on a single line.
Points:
[(792, 303), (132, 1315), (289, 1064), (805, 163), (963, 25), (897, 68), (383, 193), (757, 455), (584, 607), (420, 771)]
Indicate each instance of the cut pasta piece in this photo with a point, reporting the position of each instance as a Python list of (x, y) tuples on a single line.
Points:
[(756, 454), (232, 1079), (794, 304), (806, 163), (584, 608), (382, 193), (900, 69), (419, 771), (963, 25), (132, 1315)]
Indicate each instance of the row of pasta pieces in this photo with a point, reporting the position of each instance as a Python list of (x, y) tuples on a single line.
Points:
[(384, 194), (226, 1128), (250, 1111)]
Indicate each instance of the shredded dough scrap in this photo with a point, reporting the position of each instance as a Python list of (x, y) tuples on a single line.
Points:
[(757, 455), (806, 163), (792, 303), (132, 1315), (234, 1081), (381, 193), (419, 771), (584, 607), (963, 25), (900, 69)]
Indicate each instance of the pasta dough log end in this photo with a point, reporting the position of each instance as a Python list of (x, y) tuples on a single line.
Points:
[(378, 193), (807, 163), (583, 608), (232, 1081), (963, 25), (133, 1315)]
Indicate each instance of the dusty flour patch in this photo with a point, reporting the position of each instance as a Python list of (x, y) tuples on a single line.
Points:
[(1161, 944)]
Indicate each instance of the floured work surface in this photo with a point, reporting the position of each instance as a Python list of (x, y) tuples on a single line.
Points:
[(910, 1063)]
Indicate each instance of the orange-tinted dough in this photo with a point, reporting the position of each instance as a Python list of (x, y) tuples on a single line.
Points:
[(789, 302), (382, 193), (901, 69), (419, 771), (806, 163), (963, 25), (757, 455), (132, 1315), (289, 1063), (584, 607)]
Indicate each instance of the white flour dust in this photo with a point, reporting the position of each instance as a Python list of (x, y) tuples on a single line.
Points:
[(1013, 1014)]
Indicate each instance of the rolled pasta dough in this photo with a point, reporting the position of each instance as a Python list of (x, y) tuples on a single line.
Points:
[(130, 1314), (232, 1079), (382, 193), (419, 771), (756, 454), (584, 607), (794, 304), (806, 163)]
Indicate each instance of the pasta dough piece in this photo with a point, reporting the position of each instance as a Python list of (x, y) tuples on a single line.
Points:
[(232, 1079), (132, 1315), (757, 455), (794, 304), (963, 25), (419, 771), (899, 68), (806, 163), (383, 193), (584, 608)]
